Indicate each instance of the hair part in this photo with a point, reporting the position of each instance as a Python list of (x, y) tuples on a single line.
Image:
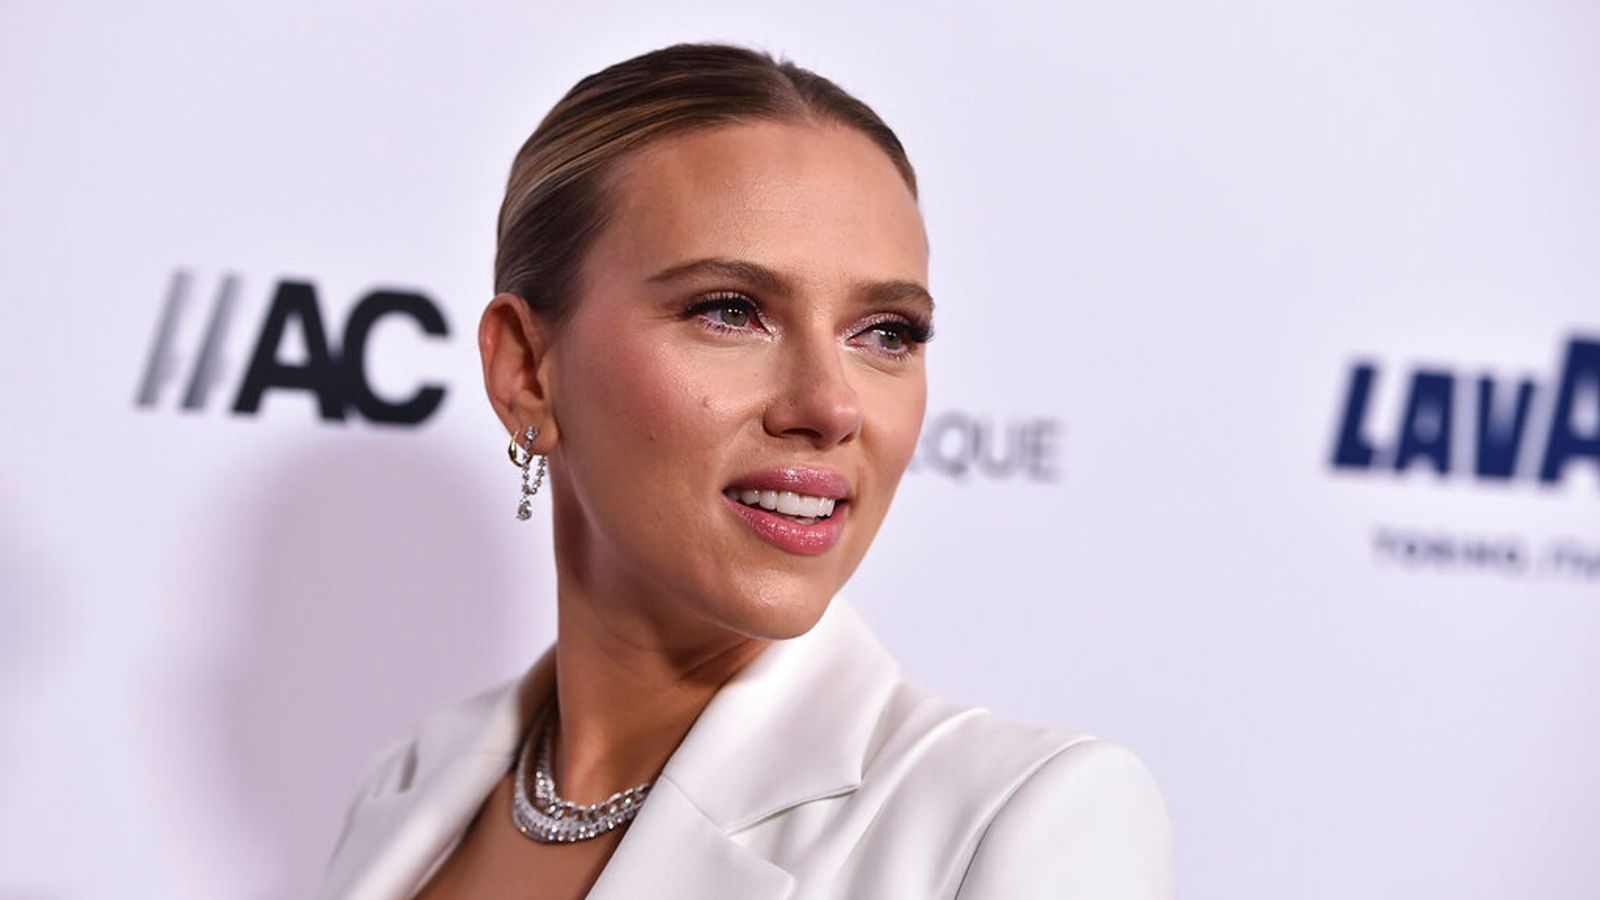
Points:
[(556, 199)]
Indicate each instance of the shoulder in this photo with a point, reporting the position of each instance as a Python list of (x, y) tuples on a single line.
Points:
[(1088, 822), (1035, 811), (422, 752), (466, 725)]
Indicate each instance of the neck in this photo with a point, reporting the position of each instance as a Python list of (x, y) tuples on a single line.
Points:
[(628, 694)]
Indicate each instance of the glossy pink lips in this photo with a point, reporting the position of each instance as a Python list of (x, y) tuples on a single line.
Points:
[(787, 534), (817, 482)]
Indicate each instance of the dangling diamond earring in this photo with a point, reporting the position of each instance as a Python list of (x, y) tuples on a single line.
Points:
[(522, 457)]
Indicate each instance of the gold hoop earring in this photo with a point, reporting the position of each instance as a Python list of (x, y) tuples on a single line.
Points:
[(522, 457)]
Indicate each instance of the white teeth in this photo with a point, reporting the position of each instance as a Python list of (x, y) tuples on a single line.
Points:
[(788, 503)]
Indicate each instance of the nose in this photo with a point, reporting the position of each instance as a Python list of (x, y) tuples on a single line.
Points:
[(815, 399)]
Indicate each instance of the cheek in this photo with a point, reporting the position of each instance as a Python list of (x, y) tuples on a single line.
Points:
[(643, 419), (902, 405)]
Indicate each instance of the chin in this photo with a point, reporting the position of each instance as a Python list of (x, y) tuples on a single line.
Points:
[(780, 614)]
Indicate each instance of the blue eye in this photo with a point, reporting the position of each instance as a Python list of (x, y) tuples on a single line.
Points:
[(893, 338), (899, 338), (734, 314), (728, 312)]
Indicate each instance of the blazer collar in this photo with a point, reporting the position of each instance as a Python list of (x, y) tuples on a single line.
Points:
[(794, 725)]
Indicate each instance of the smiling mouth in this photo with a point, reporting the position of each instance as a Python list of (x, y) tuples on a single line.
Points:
[(805, 509)]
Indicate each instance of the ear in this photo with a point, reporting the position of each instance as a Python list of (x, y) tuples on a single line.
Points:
[(515, 345)]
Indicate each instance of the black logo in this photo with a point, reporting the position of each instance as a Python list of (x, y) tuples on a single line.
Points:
[(334, 373)]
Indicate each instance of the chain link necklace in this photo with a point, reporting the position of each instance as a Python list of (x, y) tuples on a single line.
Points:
[(549, 819)]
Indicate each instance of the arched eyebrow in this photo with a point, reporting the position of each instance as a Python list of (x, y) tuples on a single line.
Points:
[(769, 281)]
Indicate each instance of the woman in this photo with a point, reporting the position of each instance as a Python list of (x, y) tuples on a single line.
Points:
[(710, 333)]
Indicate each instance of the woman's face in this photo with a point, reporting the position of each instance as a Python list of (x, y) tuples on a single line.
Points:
[(749, 320)]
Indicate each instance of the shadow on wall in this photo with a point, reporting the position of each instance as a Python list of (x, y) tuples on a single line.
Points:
[(30, 622), (35, 630), (368, 596)]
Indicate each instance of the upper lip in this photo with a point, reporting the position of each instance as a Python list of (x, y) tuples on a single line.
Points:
[(800, 479)]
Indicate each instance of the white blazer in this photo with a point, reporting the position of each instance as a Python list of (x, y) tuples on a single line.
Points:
[(815, 772)]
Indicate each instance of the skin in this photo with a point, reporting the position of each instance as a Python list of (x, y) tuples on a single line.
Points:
[(648, 411)]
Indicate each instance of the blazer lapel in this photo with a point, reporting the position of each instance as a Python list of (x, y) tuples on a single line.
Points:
[(673, 852), (395, 840), (793, 726), (432, 789)]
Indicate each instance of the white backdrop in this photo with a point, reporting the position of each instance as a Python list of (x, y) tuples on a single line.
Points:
[(1165, 240)]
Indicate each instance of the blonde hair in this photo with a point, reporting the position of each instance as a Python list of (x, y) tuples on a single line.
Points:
[(556, 198)]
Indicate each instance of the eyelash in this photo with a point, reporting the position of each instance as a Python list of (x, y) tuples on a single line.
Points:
[(914, 331)]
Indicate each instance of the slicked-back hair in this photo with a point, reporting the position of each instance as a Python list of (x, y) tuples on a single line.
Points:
[(556, 198)]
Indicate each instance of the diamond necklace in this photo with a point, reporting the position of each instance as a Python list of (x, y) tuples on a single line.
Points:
[(551, 820)]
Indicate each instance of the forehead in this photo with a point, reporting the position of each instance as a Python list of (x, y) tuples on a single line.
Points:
[(821, 203)]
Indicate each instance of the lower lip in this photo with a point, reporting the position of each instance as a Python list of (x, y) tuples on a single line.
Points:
[(786, 534)]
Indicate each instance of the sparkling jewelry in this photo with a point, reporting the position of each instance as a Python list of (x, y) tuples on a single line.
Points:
[(522, 458), (551, 820)]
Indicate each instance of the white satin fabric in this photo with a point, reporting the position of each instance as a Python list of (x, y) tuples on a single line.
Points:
[(816, 772)]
